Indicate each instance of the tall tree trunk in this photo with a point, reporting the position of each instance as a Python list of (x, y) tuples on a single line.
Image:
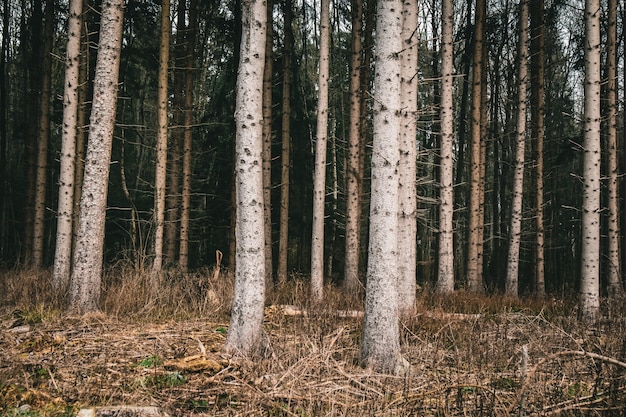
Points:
[(380, 347), (245, 334), (319, 177), (407, 190), (4, 106), (162, 133), (43, 138), (590, 257), (475, 243), (354, 174), (445, 281), (614, 256), (512, 271), (185, 213), (86, 278), (173, 195), (267, 143), (285, 159), (537, 59), (65, 212)]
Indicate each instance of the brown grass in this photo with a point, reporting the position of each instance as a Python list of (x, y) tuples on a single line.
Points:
[(163, 348)]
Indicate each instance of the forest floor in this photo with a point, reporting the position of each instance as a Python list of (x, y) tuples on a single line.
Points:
[(470, 355)]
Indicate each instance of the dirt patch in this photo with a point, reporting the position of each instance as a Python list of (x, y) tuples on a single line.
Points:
[(470, 364)]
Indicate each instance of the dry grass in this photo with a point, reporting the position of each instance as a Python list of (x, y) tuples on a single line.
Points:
[(163, 348)]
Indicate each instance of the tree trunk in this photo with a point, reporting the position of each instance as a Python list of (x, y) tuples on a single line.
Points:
[(245, 335), (590, 262), (84, 291), (43, 137), (4, 105), (185, 212), (614, 256), (267, 144), (512, 271), (407, 190), (537, 59), (475, 243), (285, 159), (380, 347), (65, 212), (319, 177), (162, 133), (445, 281), (351, 281)]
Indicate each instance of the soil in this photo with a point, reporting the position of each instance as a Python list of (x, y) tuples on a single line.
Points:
[(505, 363)]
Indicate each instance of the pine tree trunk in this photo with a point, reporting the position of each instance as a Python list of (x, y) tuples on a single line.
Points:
[(590, 256), (537, 57), (380, 347), (614, 255), (267, 144), (475, 242), (407, 220), (512, 272), (65, 212), (86, 278), (445, 281), (319, 177), (285, 159), (245, 334), (43, 138), (161, 145), (354, 174)]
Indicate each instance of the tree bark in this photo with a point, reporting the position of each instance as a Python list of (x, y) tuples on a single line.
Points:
[(161, 145), (84, 291), (351, 281), (380, 347), (590, 256), (319, 177), (445, 281), (245, 334), (43, 138), (285, 159), (407, 188), (512, 272), (475, 241), (65, 212), (267, 144)]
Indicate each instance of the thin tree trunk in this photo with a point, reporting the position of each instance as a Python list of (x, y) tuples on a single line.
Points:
[(43, 138), (614, 256), (285, 159), (407, 220), (185, 213), (65, 212), (267, 143), (319, 178), (4, 105), (445, 281), (512, 272), (353, 204), (590, 256), (161, 145), (380, 347), (474, 278), (245, 334), (537, 58), (86, 278)]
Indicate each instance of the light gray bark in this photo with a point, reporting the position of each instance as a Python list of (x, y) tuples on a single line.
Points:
[(245, 335), (512, 270), (84, 291), (590, 256), (65, 211), (380, 347), (319, 177), (407, 172), (445, 280)]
